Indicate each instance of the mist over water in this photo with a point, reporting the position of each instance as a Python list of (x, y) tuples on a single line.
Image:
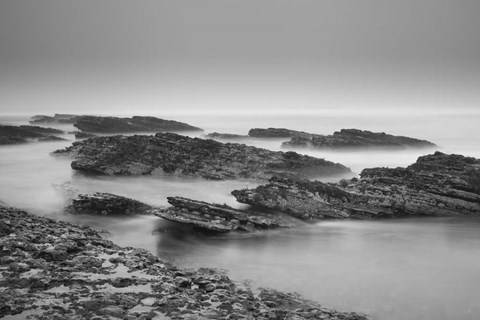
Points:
[(422, 268)]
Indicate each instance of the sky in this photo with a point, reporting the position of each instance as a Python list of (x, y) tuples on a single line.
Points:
[(119, 56)]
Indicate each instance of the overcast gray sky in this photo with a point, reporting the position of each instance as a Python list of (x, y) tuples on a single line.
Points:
[(61, 55)]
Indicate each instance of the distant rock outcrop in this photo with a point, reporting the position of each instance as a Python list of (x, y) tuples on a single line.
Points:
[(169, 153), (100, 203), (436, 185), (134, 124), (354, 139), (57, 118), (218, 218), (277, 133), (23, 134)]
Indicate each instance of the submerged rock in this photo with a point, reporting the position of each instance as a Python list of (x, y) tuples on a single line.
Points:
[(100, 203), (134, 124), (169, 153), (277, 133), (435, 185), (23, 134), (219, 218), (354, 138), (57, 270)]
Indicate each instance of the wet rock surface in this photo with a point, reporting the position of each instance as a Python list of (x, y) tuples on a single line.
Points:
[(219, 218), (83, 135), (94, 124), (100, 203), (56, 270), (354, 138), (173, 154), (435, 185), (23, 134)]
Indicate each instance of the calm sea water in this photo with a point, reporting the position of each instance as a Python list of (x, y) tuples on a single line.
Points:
[(398, 269)]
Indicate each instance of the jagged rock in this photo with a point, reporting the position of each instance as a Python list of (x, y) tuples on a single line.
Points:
[(354, 138), (224, 136), (23, 134), (57, 270), (57, 118), (219, 218), (168, 153), (83, 135), (277, 133), (435, 185), (134, 124), (100, 203)]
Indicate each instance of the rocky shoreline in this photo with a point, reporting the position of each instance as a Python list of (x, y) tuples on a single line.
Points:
[(57, 270)]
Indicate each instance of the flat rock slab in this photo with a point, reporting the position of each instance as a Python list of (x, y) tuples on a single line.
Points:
[(173, 154), (104, 204), (56, 270), (435, 185), (218, 218)]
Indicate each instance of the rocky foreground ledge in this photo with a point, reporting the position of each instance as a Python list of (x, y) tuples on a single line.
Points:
[(173, 154), (56, 270), (435, 185)]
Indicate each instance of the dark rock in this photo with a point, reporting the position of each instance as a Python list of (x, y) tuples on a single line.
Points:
[(354, 138), (436, 185), (134, 124), (22, 134), (106, 204), (277, 133), (173, 154), (224, 136), (137, 286), (219, 218)]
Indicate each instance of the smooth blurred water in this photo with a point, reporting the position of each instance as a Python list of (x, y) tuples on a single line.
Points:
[(398, 269)]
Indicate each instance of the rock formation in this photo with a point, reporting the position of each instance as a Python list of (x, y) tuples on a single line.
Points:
[(219, 218), (169, 153), (99, 203), (435, 185), (56, 270), (354, 138), (23, 134), (134, 124)]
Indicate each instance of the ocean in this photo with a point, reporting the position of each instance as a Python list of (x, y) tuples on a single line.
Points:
[(406, 269)]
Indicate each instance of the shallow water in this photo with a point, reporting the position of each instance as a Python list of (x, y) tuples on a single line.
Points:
[(399, 269)]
